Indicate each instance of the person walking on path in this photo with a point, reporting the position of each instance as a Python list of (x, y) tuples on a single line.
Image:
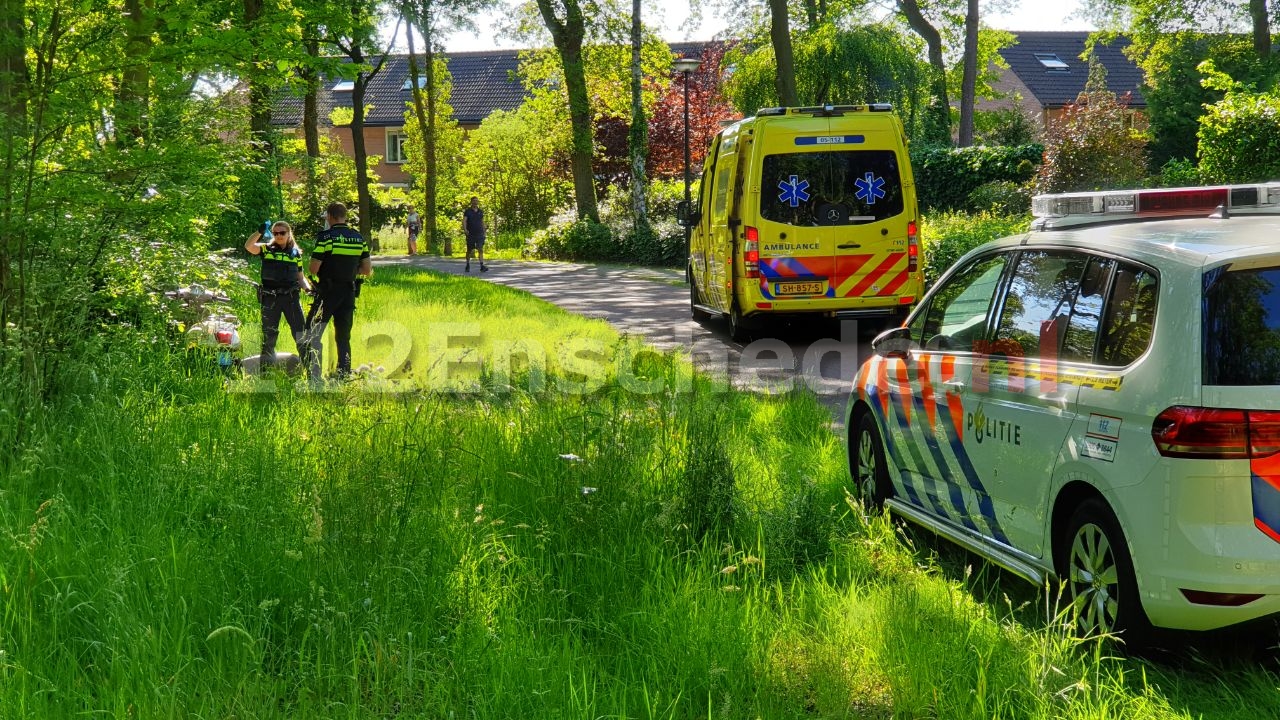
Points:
[(415, 226), (340, 259), (473, 226), (282, 283)]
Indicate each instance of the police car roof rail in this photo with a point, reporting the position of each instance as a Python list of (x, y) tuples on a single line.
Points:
[(1064, 210), (824, 110)]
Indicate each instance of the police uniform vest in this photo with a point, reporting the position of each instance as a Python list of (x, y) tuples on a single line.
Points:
[(340, 250), (280, 267)]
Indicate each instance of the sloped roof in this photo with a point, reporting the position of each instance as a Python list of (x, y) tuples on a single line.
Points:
[(482, 82), (1057, 87)]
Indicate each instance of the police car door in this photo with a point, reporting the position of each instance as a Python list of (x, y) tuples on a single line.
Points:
[(1021, 409), (941, 477)]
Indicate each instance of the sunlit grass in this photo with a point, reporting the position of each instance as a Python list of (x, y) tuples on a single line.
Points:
[(176, 550)]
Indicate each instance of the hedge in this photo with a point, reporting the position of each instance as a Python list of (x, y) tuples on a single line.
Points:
[(946, 177)]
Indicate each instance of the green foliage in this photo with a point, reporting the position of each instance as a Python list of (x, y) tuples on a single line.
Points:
[(1179, 172), (517, 163), (1007, 126), (949, 235), (1092, 144), (1001, 198), (947, 177), (615, 238), (1240, 134)]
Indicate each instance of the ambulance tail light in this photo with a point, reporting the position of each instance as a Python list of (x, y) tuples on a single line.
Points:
[(1216, 434), (913, 247), (751, 253)]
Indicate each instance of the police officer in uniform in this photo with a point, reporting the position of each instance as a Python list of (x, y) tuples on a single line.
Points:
[(282, 282), (341, 257)]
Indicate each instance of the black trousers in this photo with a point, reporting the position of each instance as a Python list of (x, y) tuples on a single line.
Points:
[(340, 307), (273, 306)]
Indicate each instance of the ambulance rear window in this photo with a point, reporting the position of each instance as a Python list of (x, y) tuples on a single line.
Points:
[(1241, 327), (844, 187)]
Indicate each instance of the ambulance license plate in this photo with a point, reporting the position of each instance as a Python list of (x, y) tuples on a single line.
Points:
[(801, 288)]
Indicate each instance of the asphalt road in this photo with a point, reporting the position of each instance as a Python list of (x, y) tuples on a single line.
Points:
[(822, 355)]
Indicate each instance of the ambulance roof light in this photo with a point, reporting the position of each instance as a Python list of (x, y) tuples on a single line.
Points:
[(1067, 209), (765, 112)]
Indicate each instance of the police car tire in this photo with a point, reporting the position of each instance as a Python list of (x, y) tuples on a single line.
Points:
[(695, 300), (879, 489), (1094, 541)]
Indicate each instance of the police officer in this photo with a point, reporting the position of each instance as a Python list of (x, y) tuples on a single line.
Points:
[(341, 256), (282, 282)]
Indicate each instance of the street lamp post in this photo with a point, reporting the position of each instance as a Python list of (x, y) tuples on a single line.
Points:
[(686, 66)]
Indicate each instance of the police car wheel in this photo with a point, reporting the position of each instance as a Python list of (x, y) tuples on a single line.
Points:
[(866, 462), (1098, 573)]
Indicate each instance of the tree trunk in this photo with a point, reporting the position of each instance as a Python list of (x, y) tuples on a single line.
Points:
[(780, 35), (14, 88), (310, 103), (567, 37), (424, 124), (361, 153), (968, 85), (135, 80), (1261, 28), (940, 112), (429, 138), (259, 89), (639, 134)]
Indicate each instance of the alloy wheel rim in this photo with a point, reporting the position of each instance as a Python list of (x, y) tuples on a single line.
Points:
[(866, 465), (1094, 579)]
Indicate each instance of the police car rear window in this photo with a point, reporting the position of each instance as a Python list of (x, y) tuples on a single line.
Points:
[(843, 187), (1241, 327)]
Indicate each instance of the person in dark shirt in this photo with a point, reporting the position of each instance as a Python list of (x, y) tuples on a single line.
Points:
[(340, 258), (282, 283), (473, 226)]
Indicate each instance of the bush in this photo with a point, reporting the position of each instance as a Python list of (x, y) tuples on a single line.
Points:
[(1006, 126), (948, 236), (1178, 172), (1091, 146), (1002, 198), (1240, 137), (946, 177)]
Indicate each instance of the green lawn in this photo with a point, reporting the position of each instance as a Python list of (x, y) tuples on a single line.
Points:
[(592, 545)]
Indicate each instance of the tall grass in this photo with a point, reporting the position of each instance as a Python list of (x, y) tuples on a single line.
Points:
[(177, 550)]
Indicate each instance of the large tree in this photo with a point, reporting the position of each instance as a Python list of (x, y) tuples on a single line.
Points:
[(638, 135), (968, 86), (567, 25), (784, 61), (938, 123)]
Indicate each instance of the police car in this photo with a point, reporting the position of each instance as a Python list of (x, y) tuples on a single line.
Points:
[(1097, 402)]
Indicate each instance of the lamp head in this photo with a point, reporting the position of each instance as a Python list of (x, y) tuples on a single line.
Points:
[(686, 65)]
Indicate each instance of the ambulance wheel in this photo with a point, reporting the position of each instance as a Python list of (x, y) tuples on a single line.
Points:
[(1098, 574), (867, 465), (695, 299), (737, 325)]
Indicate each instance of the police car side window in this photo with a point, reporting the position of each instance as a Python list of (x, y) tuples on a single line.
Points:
[(1038, 307), (1086, 314), (957, 315), (1129, 317)]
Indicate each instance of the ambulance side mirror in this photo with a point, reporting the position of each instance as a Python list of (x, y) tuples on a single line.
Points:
[(686, 216), (895, 343)]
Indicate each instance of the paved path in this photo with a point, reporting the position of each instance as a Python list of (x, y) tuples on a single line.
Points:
[(821, 355)]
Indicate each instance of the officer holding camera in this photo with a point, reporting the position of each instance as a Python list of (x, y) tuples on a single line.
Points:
[(340, 260)]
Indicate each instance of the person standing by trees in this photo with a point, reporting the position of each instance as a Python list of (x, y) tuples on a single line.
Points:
[(415, 225), (341, 257), (282, 281), (473, 226)]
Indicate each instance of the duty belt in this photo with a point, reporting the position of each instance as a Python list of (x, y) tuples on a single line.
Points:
[(280, 291)]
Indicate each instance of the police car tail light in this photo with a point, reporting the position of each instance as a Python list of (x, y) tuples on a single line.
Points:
[(913, 247), (1204, 597), (751, 253), (1213, 433), (223, 337)]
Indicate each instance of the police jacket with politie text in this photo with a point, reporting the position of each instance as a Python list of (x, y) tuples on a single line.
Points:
[(280, 267), (340, 251)]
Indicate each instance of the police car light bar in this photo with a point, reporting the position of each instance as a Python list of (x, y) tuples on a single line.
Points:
[(1068, 209)]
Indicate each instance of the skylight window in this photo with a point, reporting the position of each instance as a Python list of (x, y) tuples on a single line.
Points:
[(1052, 62), (344, 86), (408, 83)]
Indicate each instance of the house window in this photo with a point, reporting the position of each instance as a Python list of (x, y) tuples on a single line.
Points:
[(396, 141), (1052, 62), (344, 86), (408, 82)]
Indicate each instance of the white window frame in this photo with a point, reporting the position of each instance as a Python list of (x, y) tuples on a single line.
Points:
[(408, 83), (399, 157), (344, 86), (1052, 62)]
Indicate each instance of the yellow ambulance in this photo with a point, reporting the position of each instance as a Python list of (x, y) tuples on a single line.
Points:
[(805, 211)]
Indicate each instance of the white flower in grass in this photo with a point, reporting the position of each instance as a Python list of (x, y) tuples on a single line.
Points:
[(588, 490), (570, 457)]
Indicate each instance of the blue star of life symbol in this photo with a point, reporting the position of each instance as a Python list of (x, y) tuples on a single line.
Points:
[(794, 191), (870, 189)]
